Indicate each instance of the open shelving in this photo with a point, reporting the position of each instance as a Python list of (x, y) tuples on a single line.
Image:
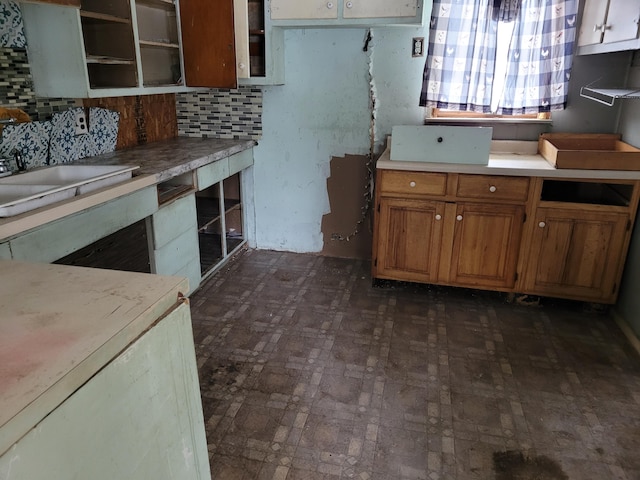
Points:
[(220, 222), (608, 96)]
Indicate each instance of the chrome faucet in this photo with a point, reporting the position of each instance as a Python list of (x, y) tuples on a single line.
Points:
[(17, 156), (6, 121)]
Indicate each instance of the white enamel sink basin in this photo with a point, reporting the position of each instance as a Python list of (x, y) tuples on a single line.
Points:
[(22, 192)]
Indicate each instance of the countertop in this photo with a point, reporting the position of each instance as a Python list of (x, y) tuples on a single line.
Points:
[(517, 158), (60, 325), (158, 162), (169, 158)]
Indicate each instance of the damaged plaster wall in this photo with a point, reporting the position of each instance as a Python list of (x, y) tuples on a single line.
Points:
[(320, 112), (396, 80)]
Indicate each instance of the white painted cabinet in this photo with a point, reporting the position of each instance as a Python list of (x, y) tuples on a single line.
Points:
[(310, 9), (379, 8), (297, 13), (609, 26)]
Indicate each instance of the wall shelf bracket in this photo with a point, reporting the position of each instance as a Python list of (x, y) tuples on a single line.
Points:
[(608, 96)]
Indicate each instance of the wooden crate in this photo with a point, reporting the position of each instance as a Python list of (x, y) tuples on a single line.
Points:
[(593, 151)]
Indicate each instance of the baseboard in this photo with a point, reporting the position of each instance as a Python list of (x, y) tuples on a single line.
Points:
[(626, 329)]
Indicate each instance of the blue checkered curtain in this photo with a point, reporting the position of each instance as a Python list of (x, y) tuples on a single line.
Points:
[(460, 62), (540, 57), (459, 71)]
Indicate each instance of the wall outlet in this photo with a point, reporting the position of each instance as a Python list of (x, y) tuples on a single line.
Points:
[(81, 123), (417, 47)]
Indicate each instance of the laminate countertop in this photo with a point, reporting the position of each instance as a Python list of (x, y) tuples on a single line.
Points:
[(60, 325), (516, 158), (157, 162)]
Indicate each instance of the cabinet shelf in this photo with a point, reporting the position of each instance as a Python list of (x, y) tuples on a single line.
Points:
[(209, 211), (167, 4), (608, 96), (103, 17), (102, 60), (151, 43)]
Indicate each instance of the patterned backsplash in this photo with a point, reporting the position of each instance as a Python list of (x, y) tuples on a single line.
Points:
[(221, 113)]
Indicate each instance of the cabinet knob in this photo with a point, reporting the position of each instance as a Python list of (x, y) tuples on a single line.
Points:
[(459, 218), (492, 188), (329, 4), (542, 224), (412, 184), (438, 217), (349, 4), (242, 66)]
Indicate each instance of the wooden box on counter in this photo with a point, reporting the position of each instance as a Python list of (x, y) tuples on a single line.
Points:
[(593, 151)]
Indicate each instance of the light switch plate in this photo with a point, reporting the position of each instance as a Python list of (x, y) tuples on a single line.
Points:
[(81, 123)]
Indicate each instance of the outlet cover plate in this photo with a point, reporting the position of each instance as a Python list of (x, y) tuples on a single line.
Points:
[(81, 123)]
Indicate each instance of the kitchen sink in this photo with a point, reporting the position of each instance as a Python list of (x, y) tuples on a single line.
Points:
[(26, 191)]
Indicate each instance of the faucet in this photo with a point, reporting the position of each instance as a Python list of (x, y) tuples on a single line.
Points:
[(20, 163)]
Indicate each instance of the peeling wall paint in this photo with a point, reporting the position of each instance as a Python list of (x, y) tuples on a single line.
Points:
[(322, 111)]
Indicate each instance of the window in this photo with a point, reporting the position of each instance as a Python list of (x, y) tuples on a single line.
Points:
[(499, 57)]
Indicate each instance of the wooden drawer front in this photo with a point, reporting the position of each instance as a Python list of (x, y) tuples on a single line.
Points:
[(415, 183), (493, 187)]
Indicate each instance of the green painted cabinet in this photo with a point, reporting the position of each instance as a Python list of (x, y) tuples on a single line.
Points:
[(140, 417), (54, 240), (173, 240)]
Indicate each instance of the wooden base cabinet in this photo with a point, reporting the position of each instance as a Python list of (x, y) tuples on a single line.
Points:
[(449, 241), (565, 238), (409, 239), (577, 254)]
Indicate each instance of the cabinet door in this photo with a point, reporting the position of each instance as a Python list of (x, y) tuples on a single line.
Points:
[(379, 8), (622, 21), (576, 254), (486, 243), (208, 43), (593, 18), (409, 239), (303, 9)]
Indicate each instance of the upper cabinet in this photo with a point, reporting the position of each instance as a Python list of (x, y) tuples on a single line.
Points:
[(295, 13), (129, 47), (609, 26)]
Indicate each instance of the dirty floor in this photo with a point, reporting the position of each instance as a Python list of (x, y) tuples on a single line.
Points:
[(309, 372)]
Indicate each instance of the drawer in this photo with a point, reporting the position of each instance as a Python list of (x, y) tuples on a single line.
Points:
[(493, 187), (415, 183)]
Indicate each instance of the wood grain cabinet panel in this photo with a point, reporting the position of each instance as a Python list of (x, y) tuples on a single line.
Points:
[(412, 183), (486, 244), (409, 238), (576, 254), (493, 187)]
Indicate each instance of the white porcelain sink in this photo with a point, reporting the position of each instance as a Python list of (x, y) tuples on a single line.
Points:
[(22, 192)]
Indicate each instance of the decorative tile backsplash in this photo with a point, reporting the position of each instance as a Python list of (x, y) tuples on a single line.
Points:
[(221, 113), (56, 141), (30, 139), (11, 29)]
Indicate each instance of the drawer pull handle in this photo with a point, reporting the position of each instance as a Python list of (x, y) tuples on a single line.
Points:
[(542, 224), (330, 5), (440, 139), (412, 184), (438, 217), (459, 218), (492, 188), (349, 4)]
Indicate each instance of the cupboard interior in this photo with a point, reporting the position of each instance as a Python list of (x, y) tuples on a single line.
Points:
[(594, 193), (257, 42), (220, 221)]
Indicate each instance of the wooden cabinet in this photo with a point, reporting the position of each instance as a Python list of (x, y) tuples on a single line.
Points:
[(540, 236), (486, 243), (427, 230), (409, 239), (346, 12), (577, 254), (129, 47), (609, 26)]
